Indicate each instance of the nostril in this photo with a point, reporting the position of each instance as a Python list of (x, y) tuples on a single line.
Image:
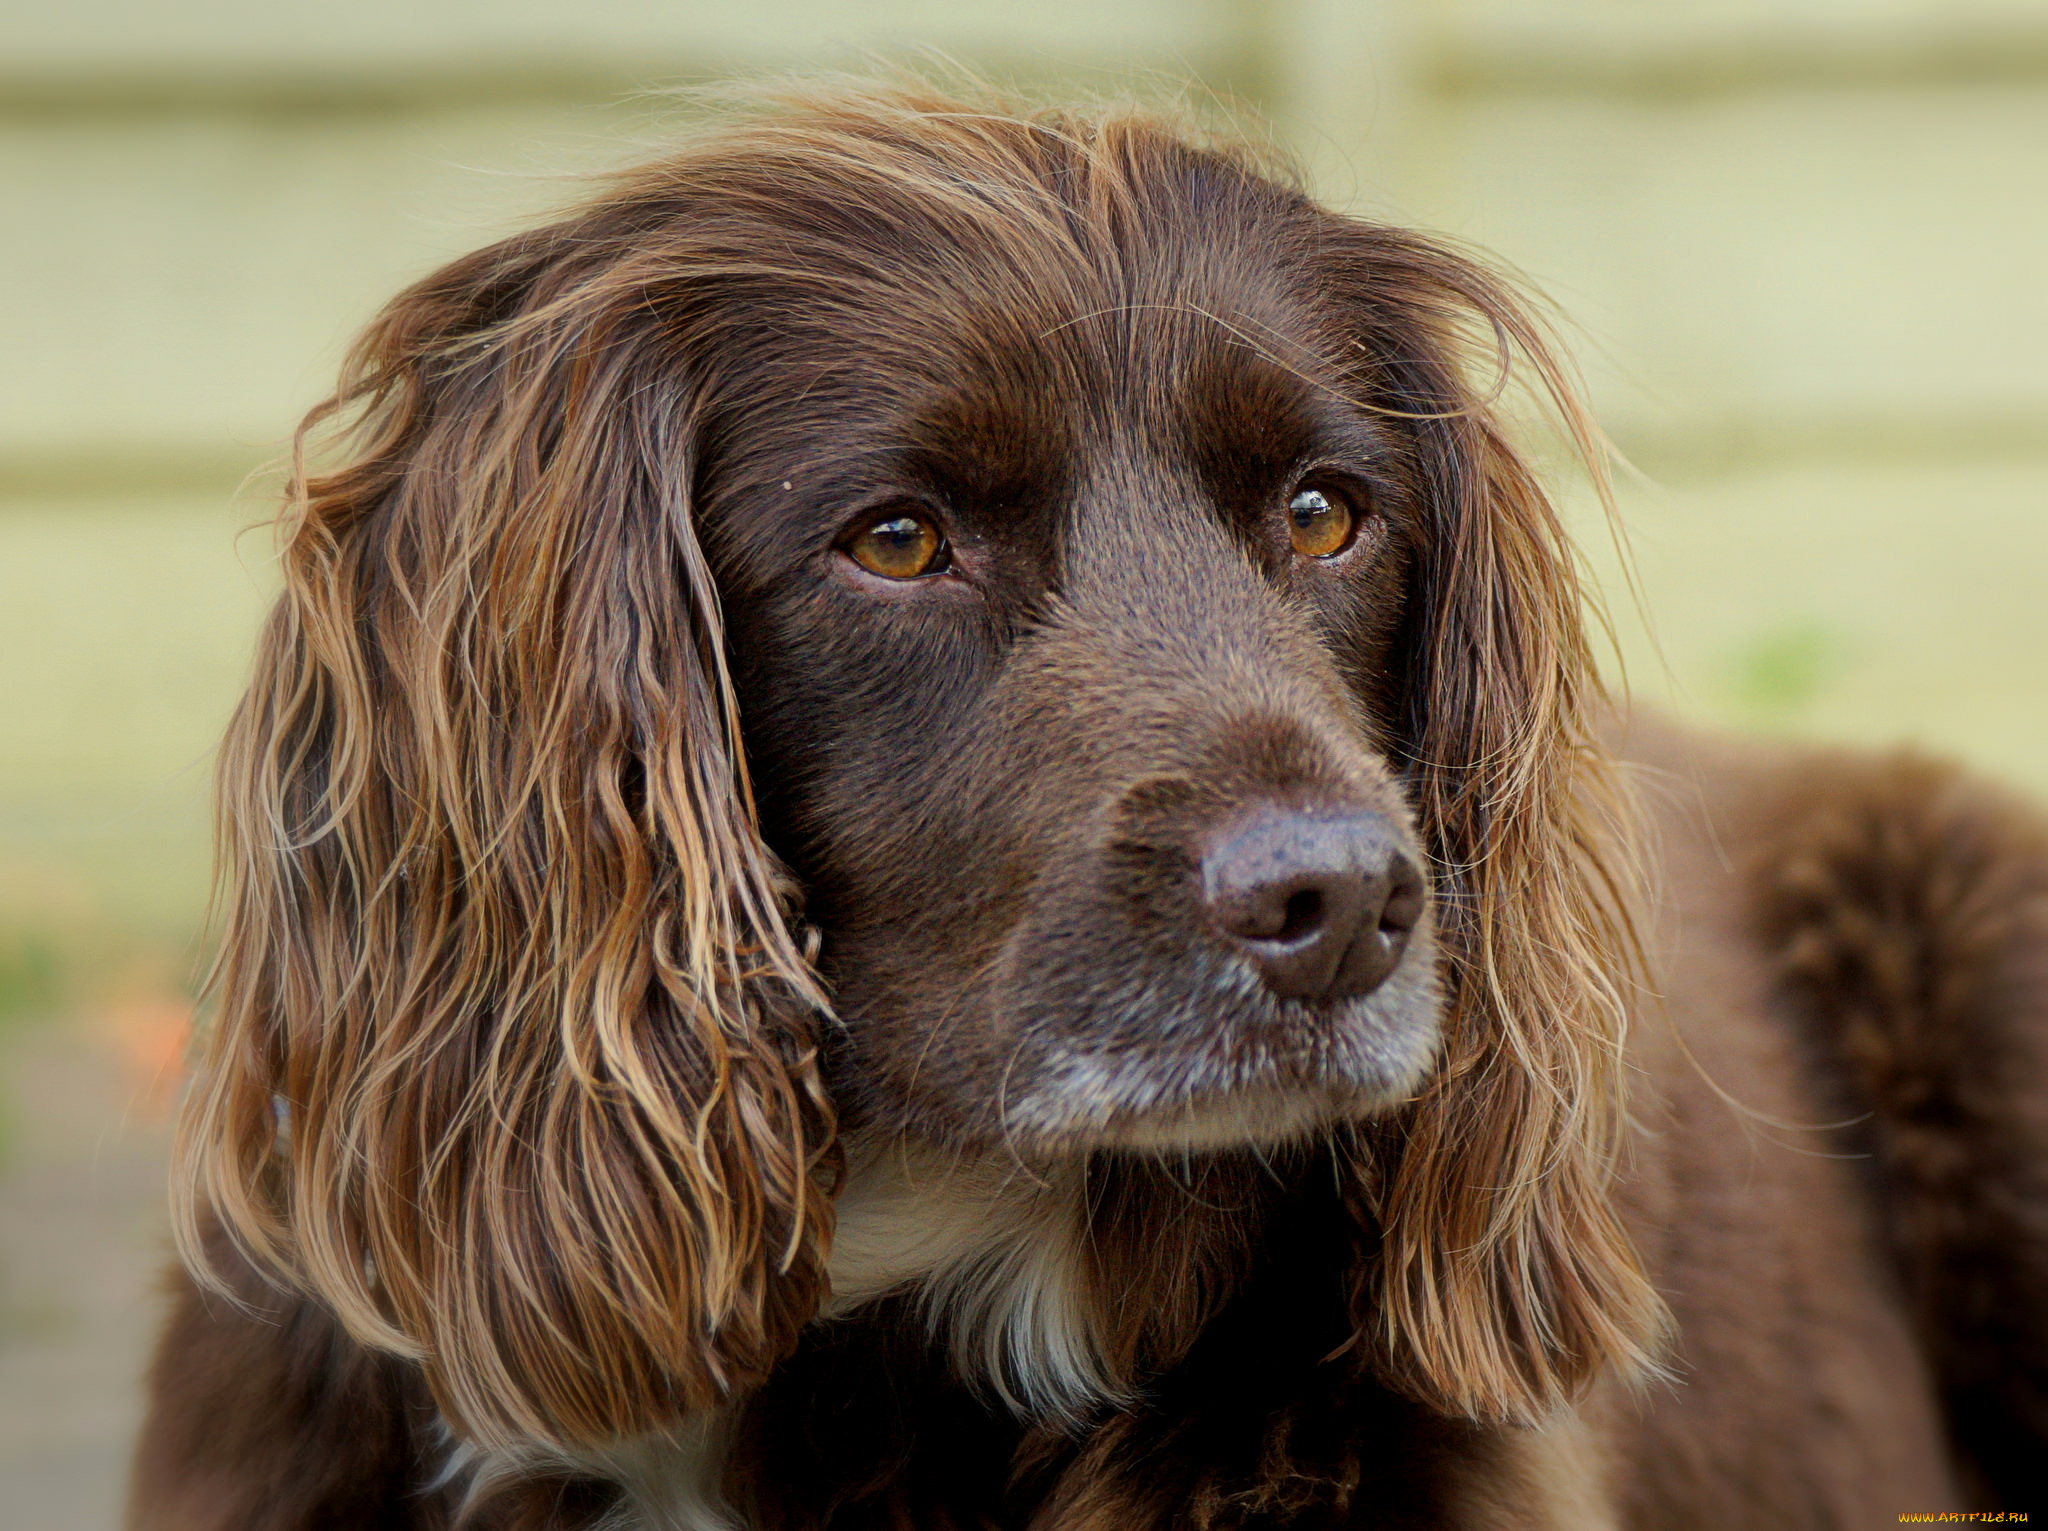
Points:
[(1300, 916), (1402, 911)]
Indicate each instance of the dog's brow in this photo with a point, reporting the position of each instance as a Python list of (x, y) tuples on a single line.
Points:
[(1235, 330)]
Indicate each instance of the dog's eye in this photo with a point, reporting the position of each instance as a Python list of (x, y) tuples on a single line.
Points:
[(1320, 522), (899, 547)]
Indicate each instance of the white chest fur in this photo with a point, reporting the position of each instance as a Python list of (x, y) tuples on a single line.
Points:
[(995, 1255)]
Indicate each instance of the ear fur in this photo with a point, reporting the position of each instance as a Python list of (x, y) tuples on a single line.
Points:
[(1502, 1279), (503, 951)]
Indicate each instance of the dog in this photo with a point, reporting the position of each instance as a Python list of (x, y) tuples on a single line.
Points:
[(926, 838)]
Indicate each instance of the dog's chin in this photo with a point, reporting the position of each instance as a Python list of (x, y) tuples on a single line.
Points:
[(1149, 1106), (1253, 1118)]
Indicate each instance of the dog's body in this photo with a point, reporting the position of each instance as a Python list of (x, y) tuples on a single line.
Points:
[(1166, 692)]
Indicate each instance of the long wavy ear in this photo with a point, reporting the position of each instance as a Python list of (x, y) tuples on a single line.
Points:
[(1502, 1279), (513, 1064)]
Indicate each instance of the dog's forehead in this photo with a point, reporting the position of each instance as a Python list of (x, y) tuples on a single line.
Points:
[(1008, 285), (1098, 350), (1008, 395)]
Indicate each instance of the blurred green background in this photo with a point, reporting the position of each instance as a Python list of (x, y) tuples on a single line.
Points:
[(1802, 243)]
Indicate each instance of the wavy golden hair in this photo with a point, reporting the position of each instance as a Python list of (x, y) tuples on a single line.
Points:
[(503, 954), (1504, 1279), (514, 1062)]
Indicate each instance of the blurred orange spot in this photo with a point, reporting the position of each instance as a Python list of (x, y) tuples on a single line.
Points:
[(149, 1034)]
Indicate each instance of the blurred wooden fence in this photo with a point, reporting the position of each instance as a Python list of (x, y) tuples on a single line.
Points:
[(1804, 241)]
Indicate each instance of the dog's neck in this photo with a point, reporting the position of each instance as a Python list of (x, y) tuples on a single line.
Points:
[(993, 1257), (996, 1256), (1052, 1286)]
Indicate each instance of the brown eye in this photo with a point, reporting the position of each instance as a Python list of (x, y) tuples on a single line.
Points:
[(899, 547), (1320, 524)]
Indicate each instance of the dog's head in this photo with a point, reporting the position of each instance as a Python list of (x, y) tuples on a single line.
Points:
[(1017, 633)]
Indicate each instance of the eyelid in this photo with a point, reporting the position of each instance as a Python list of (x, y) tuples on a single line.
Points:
[(875, 509), (1349, 473), (1371, 487)]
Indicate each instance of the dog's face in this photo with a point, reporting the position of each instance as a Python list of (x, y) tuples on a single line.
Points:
[(1062, 641), (1083, 575)]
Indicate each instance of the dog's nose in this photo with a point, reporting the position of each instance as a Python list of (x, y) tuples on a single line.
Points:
[(1321, 905)]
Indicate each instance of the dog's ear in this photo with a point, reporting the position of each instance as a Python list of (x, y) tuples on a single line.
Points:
[(513, 1064), (1502, 1278)]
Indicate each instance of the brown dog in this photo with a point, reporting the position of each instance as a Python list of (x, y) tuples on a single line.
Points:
[(923, 841)]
